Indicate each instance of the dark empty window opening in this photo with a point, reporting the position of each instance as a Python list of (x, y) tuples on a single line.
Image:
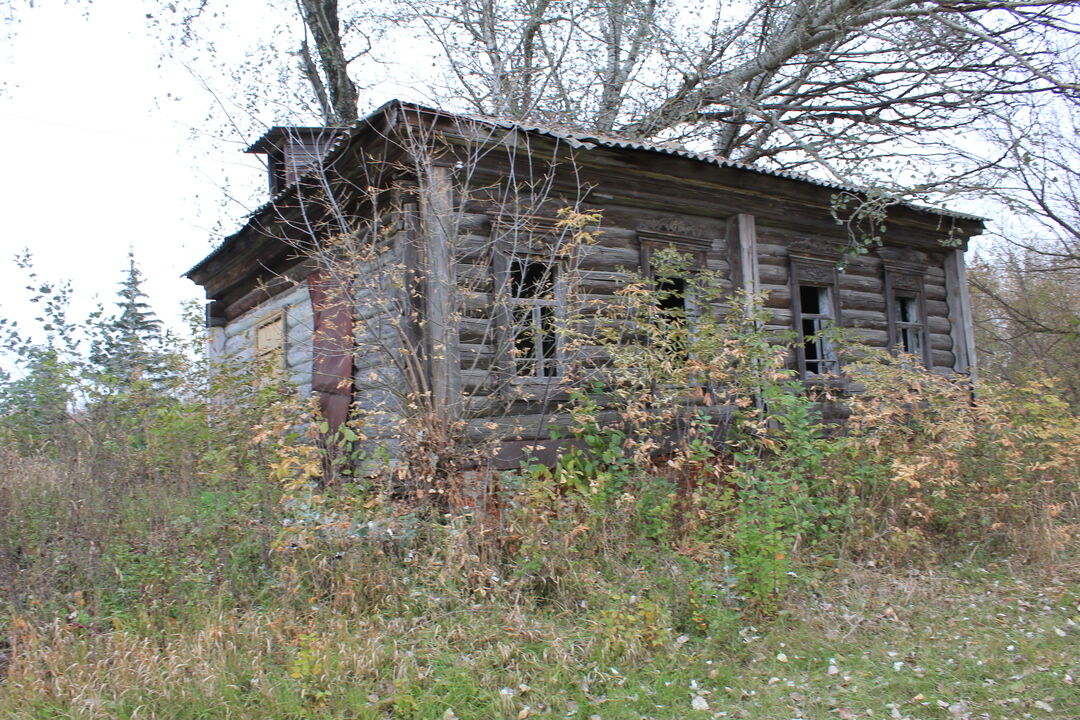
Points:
[(671, 302), (817, 315), (672, 297), (532, 298), (909, 326)]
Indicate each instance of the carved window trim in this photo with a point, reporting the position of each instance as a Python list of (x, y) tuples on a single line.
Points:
[(811, 271), (651, 240), (907, 282)]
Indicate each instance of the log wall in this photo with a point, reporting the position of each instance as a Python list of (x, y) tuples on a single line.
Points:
[(295, 304), (747, 237)]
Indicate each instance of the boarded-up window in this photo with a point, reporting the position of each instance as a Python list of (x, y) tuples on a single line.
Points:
[(270, 341)]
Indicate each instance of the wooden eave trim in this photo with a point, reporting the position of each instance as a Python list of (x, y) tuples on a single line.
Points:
[(244, 297), (382, 128)]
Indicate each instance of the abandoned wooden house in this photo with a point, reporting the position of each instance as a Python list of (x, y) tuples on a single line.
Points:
[(420, 253)]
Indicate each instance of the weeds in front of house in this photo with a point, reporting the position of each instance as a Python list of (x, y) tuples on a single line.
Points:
[(705, 552)]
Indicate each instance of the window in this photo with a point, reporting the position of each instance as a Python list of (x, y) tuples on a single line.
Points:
[(529, 258), (819, 356), (815, 309), (668, 266), (677, 257), (908, 326), (672, 300), (531, 288), (906, 308), (270, 341)]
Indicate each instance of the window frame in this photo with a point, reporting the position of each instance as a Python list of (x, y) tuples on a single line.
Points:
[(815, 272), (698, 248), (542, 326), (906, 281), (530, 237), (650, 241)]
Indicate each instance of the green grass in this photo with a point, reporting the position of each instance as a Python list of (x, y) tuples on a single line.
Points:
[(971, 642)]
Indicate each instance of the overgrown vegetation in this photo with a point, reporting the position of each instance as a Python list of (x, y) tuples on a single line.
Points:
[(187, 548)]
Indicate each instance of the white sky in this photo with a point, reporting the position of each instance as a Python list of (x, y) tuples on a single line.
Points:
[(97, 159), (100, 156)]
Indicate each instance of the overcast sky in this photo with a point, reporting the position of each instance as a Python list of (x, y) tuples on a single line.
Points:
[(99, 157), (106, 150)]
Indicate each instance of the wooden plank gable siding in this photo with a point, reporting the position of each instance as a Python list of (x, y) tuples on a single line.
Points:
[(302, 152)]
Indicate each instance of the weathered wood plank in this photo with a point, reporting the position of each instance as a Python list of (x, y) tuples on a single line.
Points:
[(438, 217), (958, 309), (743, 255)]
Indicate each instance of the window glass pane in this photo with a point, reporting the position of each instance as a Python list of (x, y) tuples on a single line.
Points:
[(524, 340), (911, 340), (905, 310)]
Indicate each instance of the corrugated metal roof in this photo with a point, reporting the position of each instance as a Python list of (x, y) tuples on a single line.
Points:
[(610, 141), (574, 139)]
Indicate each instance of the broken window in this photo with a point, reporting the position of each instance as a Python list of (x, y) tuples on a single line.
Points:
[(815, 318), (907, 312), (815, 311), (531, 289), (908, 326), (670, 266), (671, 297)]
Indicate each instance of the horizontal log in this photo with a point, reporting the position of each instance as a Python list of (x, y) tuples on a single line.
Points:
[(942, 358), (606, 258), (937, 308), (869, 319), (473, 276), (476, 356), (940, 341), (935, 291), (530, 427), (773, 274), (937, 324), (871, 337)]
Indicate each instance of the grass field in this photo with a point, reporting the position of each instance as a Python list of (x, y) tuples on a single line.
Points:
[(175, 574), (971, 642)]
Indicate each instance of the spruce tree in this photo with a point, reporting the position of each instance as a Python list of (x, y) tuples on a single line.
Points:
[(129, 347)]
